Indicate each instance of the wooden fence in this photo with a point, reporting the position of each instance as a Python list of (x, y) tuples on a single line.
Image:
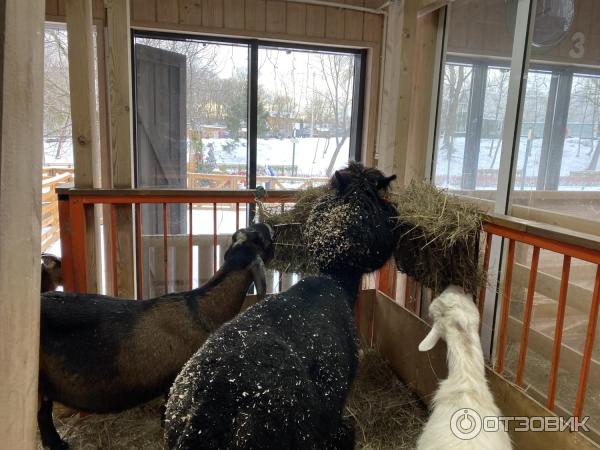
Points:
[(50, 223)]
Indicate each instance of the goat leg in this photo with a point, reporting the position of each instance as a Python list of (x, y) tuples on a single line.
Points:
[(50, 437)]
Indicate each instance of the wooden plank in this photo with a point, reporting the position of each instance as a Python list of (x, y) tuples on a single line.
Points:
[(212, 13), (143, 10), (190, 12), (61, 8), (98, 10), (398, 86), (255, 15), (371, 105), (119, 83), (21, 125), (297, 19), (334, 23), (420, 114), (315, 21), (167, 11), (353, 21), (276, 16), (514, 402), (85, 132), (235, 17), (52, 7)]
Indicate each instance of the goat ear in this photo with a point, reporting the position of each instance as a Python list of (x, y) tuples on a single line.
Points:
[(430, 340), (339, 182), (384, 182)]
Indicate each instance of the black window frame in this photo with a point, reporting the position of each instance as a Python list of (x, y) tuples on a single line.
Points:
[(358, 99)]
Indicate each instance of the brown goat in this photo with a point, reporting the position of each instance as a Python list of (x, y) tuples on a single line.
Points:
[(51, 272), (103, 354)]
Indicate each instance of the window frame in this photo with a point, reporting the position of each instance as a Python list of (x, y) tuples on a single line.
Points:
[(358, 88)]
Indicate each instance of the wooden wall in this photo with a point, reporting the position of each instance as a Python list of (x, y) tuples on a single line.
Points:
[(21, 106)]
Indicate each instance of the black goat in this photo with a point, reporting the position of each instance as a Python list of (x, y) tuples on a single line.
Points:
[(103, 354), (277, 376), (51, 272)]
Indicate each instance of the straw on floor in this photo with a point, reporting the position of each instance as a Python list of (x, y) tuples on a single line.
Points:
[(387, 416)]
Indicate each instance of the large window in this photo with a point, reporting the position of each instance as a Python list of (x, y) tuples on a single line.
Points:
[(233, 114), (518, 127), (229, 114)]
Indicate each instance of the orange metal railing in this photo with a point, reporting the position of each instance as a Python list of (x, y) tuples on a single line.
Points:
[(73, 204)]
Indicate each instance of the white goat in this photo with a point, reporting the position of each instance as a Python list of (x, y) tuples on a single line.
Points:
[(464, 398)]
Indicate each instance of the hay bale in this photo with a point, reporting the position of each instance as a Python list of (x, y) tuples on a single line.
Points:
[(291, 253), (439, 237)]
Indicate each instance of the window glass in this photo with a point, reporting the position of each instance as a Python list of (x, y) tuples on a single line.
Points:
[(473, 101), (304, 116)]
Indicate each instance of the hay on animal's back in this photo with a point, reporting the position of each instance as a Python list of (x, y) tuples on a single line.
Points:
[(439, 236)]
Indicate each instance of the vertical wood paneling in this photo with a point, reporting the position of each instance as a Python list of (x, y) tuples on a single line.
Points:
[(334, 23), (353, 22), (61, 8), (85, 132), (234, 14), (167, 11), (143, 10), (119, 83), (315, 21), (98, 9), (276, 16), (255, 15), (296, 19), (212, 13), (52, 7), (21, 78), (190, 12), (373, 28)]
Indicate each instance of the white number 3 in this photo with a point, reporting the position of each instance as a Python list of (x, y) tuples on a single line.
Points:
[(578, 39)]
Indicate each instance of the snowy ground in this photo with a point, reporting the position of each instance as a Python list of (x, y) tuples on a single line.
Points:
[(570, 163), (311, 157)]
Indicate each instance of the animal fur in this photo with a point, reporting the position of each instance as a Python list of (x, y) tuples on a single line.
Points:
[(51, 272), (102, 354), (278, 375), (456, 320)]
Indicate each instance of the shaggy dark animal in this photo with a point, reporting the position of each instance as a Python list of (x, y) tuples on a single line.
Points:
[(278, 375), (102, 354), (51, 273)]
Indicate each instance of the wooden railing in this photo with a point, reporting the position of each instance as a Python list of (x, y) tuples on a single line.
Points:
[(50, 221)]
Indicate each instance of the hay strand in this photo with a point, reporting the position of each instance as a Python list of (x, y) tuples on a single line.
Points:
[(386, 413), (438, 238)]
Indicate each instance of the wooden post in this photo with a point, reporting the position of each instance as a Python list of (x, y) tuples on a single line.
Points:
[(398, 67), (21, 84), (121, 144), (83, 114)]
